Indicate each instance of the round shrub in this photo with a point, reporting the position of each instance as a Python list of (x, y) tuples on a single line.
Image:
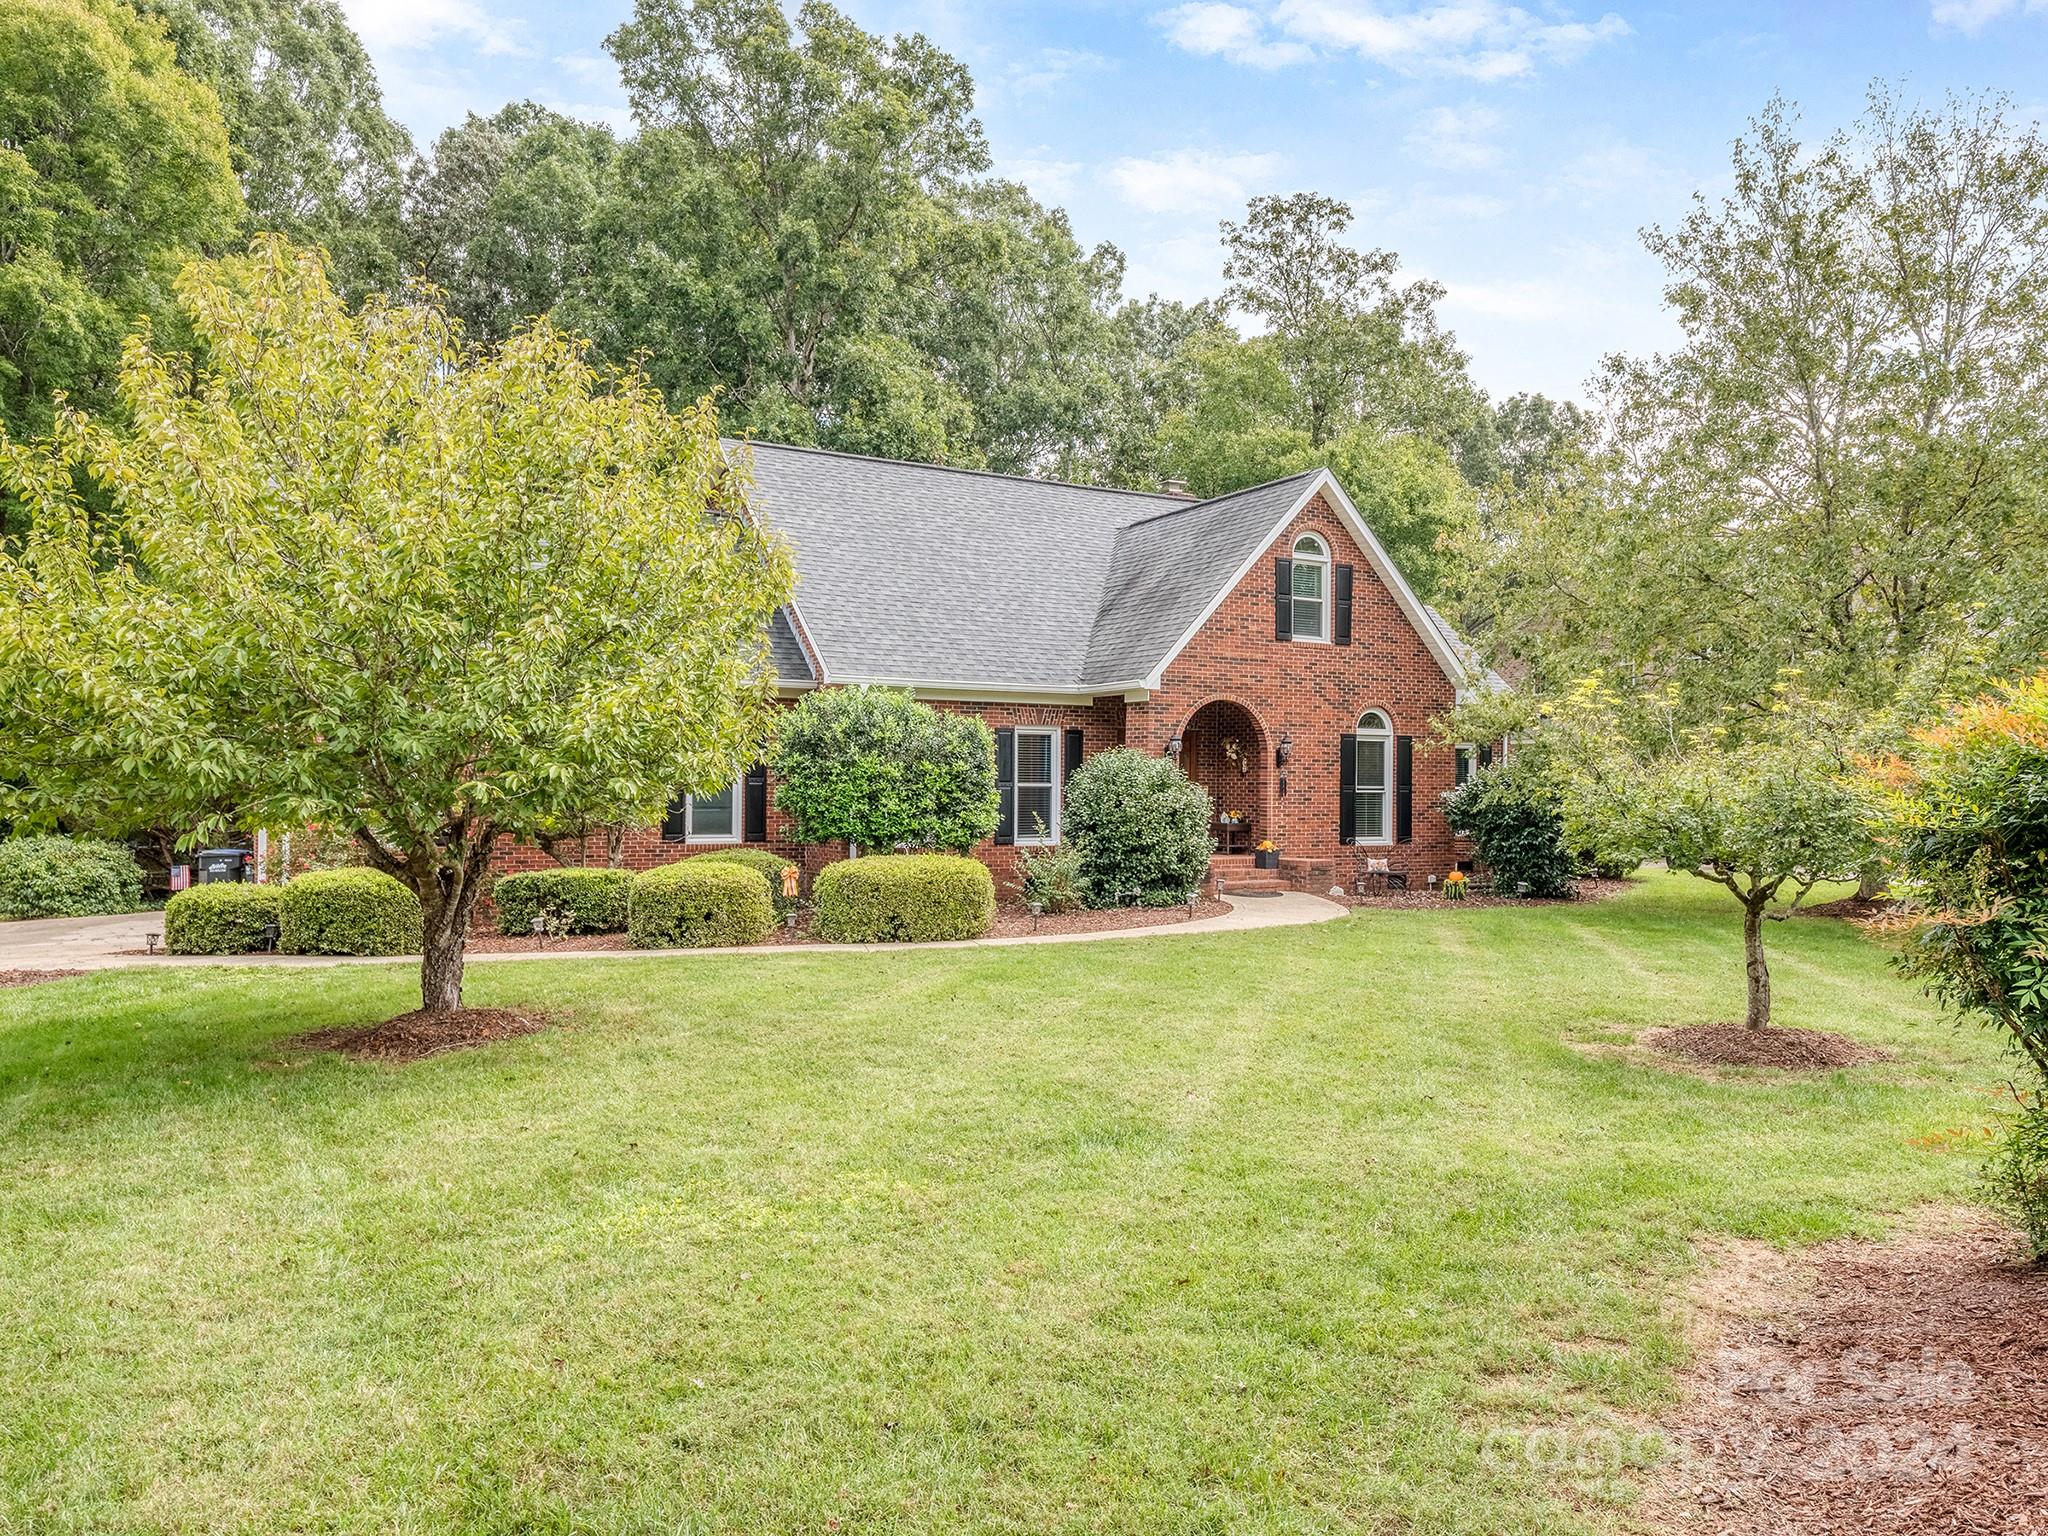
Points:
[(348, 912), (1517, 827), (226, 918), (770, 865), (904, 898), (699, 903), (1140, 824), (67, 877), (878, 767), (574, 900)]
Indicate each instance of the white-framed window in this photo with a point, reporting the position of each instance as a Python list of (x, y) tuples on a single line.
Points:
[(1311, 589), (1038, 786), (1467, 759), (713, 818), (1370, 784)]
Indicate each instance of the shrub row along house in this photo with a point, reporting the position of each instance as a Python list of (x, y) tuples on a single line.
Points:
[(1263, 638)]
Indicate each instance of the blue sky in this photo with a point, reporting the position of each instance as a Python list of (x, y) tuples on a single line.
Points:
[(1511, 152)]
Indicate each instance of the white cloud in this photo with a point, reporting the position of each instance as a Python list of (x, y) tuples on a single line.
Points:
[(1456, 138), (1191, 180), (1514, 299), (1048, 179), (1230, 32), (1974, 15), (1607, 170), (412, 25), (1479, 39), (1187, 267), (1049, 66)]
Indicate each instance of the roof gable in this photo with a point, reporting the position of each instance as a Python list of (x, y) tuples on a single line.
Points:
[(934, 577)]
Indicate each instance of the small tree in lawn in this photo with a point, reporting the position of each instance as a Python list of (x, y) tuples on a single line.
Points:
[(358, 576), (1768, 820), (876, 768)]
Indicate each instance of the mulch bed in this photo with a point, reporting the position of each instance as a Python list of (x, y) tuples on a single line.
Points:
[(1422, 896), (417, 1035), (1880, 1389), (484, 942), (1736, 1045), (30, 978), (1856, 909)]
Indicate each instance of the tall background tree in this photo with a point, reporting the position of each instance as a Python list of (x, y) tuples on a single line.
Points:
[(114, 169), (1841, 470), (318, 157)]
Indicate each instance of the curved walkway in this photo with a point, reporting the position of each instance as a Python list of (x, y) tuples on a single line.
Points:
[(97, 943)]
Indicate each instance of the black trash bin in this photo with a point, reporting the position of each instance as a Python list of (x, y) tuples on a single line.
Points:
[(217, 864)]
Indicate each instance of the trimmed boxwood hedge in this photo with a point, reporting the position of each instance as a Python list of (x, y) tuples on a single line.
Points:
[(698, 903), (579, 900), (226, 918), (904, 898), (348, 912), (67, 877), (770, 865)]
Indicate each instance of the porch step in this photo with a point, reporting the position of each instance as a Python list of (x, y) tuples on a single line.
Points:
[(1265, 883)]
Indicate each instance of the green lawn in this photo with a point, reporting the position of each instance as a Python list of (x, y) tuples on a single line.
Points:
[(1255, 1232)]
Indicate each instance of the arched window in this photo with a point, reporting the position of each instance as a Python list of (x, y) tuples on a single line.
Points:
[(1369, 819), (1311, 591)]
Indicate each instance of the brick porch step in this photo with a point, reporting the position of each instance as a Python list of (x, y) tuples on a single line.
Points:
[(1264, 883)]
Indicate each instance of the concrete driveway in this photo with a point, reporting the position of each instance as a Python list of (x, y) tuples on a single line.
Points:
[(98, 943), (76, 943)]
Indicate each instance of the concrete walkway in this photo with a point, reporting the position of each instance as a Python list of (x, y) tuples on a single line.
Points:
[(97, 943)]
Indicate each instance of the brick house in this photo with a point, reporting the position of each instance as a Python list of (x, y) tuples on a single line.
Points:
[(1263, 637)]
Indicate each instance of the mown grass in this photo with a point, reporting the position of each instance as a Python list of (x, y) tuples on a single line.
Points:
[(1257, 1232)]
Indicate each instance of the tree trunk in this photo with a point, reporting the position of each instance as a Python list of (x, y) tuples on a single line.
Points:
[(445, 909), (1870, 884), (1759, 973), (615, 845)]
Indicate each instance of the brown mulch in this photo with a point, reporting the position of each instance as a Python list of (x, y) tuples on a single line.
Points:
[(1856, 909), (30, 978), (484, 942), (1423, 896), (1736, 1045), (1880, 1389), (417, 1035)]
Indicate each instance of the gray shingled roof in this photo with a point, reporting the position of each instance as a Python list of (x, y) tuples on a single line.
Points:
[(787, 652), (921, 574), (1166, 569)]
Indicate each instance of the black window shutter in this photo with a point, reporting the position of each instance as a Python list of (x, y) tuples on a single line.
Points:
[(1340, 618), (675, 826), (757, 804), (1347, 777), (1006, 784), (1283, 599), (1072, 757), (1404, 789), (1486, 754)]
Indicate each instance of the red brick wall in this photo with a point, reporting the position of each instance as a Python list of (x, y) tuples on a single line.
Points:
[(1314, 694)]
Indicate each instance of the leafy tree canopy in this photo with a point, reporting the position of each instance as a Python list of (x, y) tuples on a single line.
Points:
[(114, 167), (356, 576)]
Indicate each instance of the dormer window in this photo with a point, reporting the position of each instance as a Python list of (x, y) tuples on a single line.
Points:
[(1311, 590)]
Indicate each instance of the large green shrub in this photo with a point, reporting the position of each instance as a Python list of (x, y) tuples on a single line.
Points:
[(1517, 824), (699, 903), (770, 865), (225, 918), (904, 898), (1965, 820), (876, 768), (348, 912), (1139, 824), (67, 877), (573, 900)]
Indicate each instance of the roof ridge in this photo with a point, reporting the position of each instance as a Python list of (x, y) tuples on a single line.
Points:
[(1210, 501), (963, 469)]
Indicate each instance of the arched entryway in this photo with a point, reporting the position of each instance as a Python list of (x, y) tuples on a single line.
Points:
[(1224, 751)]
